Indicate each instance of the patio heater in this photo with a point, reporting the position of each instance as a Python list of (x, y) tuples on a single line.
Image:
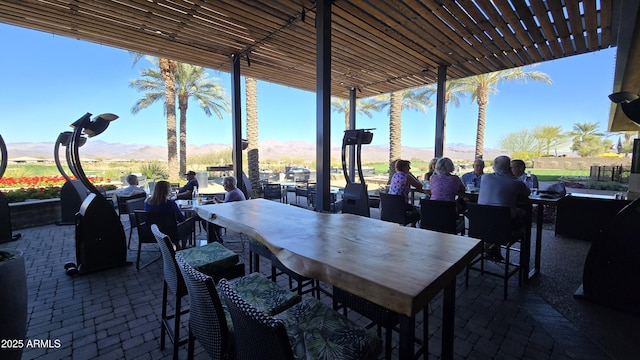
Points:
[(355, 199), (100, 238), (73, 192), (6, 234), (611, 275)]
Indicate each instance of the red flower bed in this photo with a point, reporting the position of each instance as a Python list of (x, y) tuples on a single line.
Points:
[(42, 181), (40, 187)]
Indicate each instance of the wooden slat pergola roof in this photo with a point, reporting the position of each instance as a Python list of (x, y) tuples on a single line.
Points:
[(378, 46)]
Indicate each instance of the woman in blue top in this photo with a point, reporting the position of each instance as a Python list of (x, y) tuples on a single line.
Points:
[(160, 202)]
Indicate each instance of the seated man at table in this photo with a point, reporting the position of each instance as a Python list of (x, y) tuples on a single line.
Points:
[(501, 188), (132, 189), (474, 177), (518, 169), (401, 184), (186, 192), (233, 193)]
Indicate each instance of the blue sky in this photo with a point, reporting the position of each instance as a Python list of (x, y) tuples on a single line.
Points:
[(50, 81)]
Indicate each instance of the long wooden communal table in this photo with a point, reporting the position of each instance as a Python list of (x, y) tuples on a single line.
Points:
[(399, 268)]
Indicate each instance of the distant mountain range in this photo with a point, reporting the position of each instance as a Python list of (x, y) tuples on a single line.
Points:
[(269, 150)]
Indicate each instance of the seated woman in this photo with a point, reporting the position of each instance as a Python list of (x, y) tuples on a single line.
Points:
[(446, 186), (432, 169), (401, 184), (159, 202)]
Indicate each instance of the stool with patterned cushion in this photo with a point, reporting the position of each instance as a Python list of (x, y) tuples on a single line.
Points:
[(216, 260), (308, 330), (209, 320), (211, 258)]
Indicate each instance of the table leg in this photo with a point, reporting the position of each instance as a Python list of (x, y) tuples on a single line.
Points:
[(407, 335), (539, 223), (448, 320)]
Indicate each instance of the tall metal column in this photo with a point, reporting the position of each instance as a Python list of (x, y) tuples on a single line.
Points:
[(352, 126), (323, 104), (236, 127), (442, 87)]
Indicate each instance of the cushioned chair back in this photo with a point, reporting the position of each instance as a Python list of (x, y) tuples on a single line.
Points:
[(132, 206), (489, 223), (165, 220), (257, 335), (438, 215), (123, 207), (272, 191), (207, 321), (145, 236), (170, 268), (393, 208)]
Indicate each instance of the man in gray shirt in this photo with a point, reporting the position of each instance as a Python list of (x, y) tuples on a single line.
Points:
[(501, 188)]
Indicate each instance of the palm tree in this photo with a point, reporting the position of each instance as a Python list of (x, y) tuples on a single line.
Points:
[(362, 107), (454, 91), (415, 99), (193, 82), (160, 84), (551, 136), (253, 157), (586, 139), (481, 86)]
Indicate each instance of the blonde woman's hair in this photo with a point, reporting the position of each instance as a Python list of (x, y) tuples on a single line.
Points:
[(160, 193)]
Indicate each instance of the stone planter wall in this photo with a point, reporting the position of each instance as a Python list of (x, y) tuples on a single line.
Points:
[(34, 213)]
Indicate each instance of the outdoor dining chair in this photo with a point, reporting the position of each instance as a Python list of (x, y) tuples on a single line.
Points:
[(441, 216), (492, 224), (132, 206), (209, 321), (272, 191), (296, 332), (213, 258), (393, 209)]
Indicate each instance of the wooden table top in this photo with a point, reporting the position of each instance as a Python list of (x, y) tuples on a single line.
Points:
[(400, 268)]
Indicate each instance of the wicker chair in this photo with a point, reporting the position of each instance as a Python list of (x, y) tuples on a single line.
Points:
[(311, 328), (272, 191), (225, 262), (393, 209), (380, 317), (209, 321), (441, 216), (493, 225)]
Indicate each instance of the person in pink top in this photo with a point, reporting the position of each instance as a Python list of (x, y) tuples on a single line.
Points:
[(445, 185)]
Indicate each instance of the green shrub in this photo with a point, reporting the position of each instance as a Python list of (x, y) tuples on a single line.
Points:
[(605, 185)]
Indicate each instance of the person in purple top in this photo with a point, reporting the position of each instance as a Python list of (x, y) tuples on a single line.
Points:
[(444, 185), (401, 183)]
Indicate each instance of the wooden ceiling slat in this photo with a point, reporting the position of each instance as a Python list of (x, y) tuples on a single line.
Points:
[(523, 36), (486, 26), (542, 14), (378, 46), (605, 23), (488, 7), (526, 16), (575, 21), (591, 22), (457, 18)]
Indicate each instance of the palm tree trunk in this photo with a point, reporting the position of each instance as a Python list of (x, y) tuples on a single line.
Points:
[(253, 157), (168, 69), (483, 97), (183, 104), (395, 130)]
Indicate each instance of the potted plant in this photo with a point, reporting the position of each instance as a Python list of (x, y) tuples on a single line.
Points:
[(13, 300)]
